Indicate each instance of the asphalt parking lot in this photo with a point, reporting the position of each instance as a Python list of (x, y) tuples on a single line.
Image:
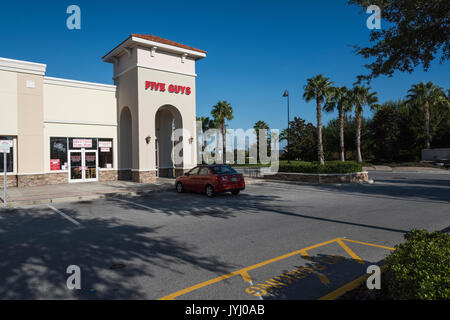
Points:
[(273, 241)]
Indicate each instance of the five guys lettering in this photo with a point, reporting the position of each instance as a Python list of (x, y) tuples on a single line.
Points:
[(158, 86)]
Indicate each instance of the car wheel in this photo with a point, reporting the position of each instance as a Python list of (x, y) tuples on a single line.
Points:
[(235, 192), (180, 188), (209, 191)]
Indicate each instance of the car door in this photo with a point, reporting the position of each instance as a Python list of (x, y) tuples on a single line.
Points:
[(189, 181), (203, 178)]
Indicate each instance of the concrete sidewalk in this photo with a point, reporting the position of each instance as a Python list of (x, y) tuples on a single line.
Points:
[(406, 169), (81, 191)]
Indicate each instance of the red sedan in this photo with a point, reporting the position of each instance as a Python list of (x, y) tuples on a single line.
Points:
[(211, 179)]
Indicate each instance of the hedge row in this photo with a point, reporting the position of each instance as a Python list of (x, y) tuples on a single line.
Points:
[(315, 167), (419, 269)]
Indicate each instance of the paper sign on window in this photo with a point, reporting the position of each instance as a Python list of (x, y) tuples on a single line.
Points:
[(105, 144)]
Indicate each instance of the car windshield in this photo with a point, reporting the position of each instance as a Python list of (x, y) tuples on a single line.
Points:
[(223, 169)]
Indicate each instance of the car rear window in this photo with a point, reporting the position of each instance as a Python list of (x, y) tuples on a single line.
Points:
[(223, 169)]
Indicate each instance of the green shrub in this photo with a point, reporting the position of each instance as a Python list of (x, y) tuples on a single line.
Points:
[(419, 268), (315, 167)]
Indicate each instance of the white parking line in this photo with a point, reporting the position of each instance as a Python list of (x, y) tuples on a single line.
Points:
[(136, 204), (64, 215)]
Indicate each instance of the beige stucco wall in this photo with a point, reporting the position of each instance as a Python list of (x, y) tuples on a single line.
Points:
[(79, 102), (126, 61), (128, 97), (78, 109), (8, 103), (30, 115), (149, 103), (165, 61)]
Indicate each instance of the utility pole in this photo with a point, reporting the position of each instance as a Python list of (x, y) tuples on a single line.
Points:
[(286, 94)]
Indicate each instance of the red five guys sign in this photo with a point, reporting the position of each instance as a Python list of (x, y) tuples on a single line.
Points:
[(171, 88)]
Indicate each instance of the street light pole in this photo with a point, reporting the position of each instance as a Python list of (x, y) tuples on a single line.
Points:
[(286, 94)]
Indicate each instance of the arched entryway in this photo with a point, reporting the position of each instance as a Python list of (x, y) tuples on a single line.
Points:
[(125, 144), (167, 120)]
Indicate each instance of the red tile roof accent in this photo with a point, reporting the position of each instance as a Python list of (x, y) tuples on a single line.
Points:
[(159, 40), (165, 41)]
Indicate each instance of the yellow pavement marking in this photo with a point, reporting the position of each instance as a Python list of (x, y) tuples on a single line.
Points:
[(323, 278), (246, 277), (305, 255), (368, 244), (239, 272), (350, 252), (347, 287)]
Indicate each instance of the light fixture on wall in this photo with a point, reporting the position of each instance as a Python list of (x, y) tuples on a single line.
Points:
[(191, 139), (147, 139)]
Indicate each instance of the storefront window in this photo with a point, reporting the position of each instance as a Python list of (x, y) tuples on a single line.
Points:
[(105, 153), (9, 157), (58, 154)]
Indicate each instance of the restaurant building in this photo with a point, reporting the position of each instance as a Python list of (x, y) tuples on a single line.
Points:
[(68, 131)]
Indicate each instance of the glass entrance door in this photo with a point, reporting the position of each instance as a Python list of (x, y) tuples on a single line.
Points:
[(75, 166), (90, 165), (83, 165)]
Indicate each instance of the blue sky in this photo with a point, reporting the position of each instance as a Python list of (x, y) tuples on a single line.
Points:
[(256, 49)]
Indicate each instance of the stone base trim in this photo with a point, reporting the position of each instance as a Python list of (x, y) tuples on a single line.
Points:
[(108, 175), (11, 181), (358, 177), (144, 176), (32, 180)]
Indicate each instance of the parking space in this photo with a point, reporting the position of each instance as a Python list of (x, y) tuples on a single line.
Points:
[(273, 241), (308, 273)]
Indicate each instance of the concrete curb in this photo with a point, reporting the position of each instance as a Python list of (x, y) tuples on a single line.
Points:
[(86, 197), (320, 178)]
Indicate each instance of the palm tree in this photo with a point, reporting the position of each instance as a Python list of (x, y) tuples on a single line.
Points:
[(426, 95), (340, 99), (223, 111), (318, 88), (259, 125), (207, 124), (361, 97)]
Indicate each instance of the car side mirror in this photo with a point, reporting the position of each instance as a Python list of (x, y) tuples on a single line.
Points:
[(186, 174)]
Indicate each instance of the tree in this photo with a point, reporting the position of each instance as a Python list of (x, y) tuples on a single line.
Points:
[(339, 99), (303, 139), (360, 98), (319, 89), (207, 124), (259, 125), (419, 31), (424, 95), (221, 112), (386, 132)]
